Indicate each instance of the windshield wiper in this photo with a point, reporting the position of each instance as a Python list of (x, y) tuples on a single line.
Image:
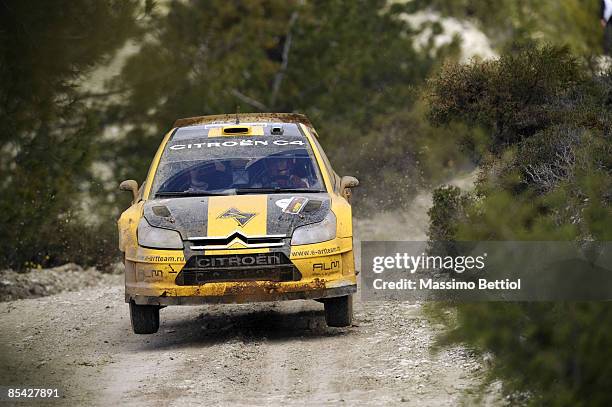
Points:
[(275, 190), (194, 193)]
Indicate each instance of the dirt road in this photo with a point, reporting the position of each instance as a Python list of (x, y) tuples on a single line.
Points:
[(262, 354), (252, 354)]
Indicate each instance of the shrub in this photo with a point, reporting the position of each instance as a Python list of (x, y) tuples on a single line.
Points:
[(546, 174)]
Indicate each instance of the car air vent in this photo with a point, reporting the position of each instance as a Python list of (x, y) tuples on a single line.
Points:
[(276, 130), (236, 130)]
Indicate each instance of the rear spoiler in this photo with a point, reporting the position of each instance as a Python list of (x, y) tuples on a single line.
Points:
[(244, 117)]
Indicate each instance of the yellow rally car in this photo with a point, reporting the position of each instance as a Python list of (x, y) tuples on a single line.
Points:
[(238, 208)]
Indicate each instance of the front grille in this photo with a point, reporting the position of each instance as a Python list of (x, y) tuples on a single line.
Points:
[(224, 242), (201, 269)]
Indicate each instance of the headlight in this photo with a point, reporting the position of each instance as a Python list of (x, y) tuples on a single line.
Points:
[(316, 232), (158, 238)]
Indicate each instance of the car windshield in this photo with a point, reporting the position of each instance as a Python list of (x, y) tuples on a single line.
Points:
[(236, 166)]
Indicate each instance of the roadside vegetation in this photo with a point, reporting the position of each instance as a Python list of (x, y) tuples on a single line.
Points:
[(545, 155), (49, 129)]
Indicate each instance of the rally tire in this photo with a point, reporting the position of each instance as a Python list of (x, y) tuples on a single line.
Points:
[(144, 318), (339, 311)]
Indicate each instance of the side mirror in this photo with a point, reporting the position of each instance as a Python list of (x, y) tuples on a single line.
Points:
[(346, 184), (130, 185)]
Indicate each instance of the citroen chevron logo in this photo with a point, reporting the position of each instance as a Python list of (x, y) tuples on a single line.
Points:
[(242, 218)]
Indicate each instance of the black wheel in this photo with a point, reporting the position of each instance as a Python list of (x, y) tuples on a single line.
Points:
[(145, 318), (339, 311)]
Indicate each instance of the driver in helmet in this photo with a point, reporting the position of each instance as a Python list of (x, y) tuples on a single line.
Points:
[(282, 174), (204, 177)]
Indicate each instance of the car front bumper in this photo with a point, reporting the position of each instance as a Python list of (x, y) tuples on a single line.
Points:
[(327, 270), (246, 294)]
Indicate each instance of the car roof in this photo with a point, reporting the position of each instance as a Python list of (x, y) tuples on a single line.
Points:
[(268, 129), (239, 118)]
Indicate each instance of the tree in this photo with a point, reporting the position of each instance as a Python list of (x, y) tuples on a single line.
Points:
[(46, 127)]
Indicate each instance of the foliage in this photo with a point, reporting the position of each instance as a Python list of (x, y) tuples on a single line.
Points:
[(570, 22), (445, 213), (46, 126), (546, 175), (513, 97)]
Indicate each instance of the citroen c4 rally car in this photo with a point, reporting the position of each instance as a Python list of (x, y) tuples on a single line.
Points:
[(238, 209)]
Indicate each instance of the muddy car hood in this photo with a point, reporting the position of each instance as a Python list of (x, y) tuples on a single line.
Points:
[(269, 214)]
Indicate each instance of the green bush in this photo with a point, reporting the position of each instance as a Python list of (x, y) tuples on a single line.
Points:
[(546, 174), (48, 123)]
